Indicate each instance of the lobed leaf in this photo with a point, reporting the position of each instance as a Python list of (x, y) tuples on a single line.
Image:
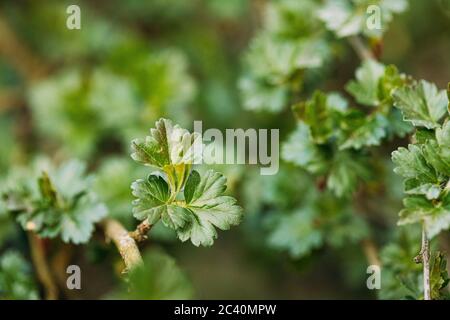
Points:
[(422, 104)]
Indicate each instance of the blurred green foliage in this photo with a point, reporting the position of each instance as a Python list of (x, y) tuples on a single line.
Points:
[(16, 279)]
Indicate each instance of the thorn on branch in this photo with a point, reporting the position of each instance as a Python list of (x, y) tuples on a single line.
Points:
[(140, 234), (424, 258)]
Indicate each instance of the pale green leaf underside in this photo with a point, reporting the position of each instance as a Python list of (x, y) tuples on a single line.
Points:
[(166, 145)]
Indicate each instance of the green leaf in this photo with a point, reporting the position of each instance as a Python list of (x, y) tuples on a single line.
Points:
[(422, 104), (338, 17), (443, 135), (422, 135), (167, 144), (443, 140), (57, 202), (296, 233), (432, 154), (75, 108), (300, 150), (365, 88), (288, 52), (275, 60), (401, 276), (416, 208), (368, 131), (440, 218), (319, 114), (438, 274), (208, 208), (191, 185), (345, 172), (258, 95), (158, 278), (349, 17), (429, 190), (153, 203), (434, 215), (171, 149), (291, 19), (16, 278), (411, 164)]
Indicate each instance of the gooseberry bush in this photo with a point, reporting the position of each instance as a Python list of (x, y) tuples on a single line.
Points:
[(98, 169), (340, 141)]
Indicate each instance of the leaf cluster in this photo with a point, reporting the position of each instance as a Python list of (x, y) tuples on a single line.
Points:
[(184, 201)]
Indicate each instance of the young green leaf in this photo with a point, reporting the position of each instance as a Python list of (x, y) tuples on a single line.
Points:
[(438, 275), (435, 156), (296, 233), (349, 17), (167, 144), (300, 150), (345, 172), (153, 203), (367, 131), (365, 88), (429, 190), (320, 113), (171, 149), (57, 202), (411, 164), (208, 208), (435, 215), (259, 95), (422, 104)]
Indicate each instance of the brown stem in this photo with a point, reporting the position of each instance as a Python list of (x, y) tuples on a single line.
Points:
[(59, 264), (29, 66), (361, 50), (124, 242), (41, 267), (371, 252), (140, 234), (425, 253)]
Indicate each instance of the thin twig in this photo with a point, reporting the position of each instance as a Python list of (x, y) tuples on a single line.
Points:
[(140, 234), (41, 267), (59, 264), (124, 242), (10, 99), (361, 50), (424, 258), (371, 252)]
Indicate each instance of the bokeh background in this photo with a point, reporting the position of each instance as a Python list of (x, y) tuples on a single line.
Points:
[(86, 93)]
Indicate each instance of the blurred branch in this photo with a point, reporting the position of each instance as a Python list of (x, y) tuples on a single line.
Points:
[(59, 264), (140, 234), (361, 50), (10, 99), (28, 65), (41, 267), (124, 242), (371, 252)]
